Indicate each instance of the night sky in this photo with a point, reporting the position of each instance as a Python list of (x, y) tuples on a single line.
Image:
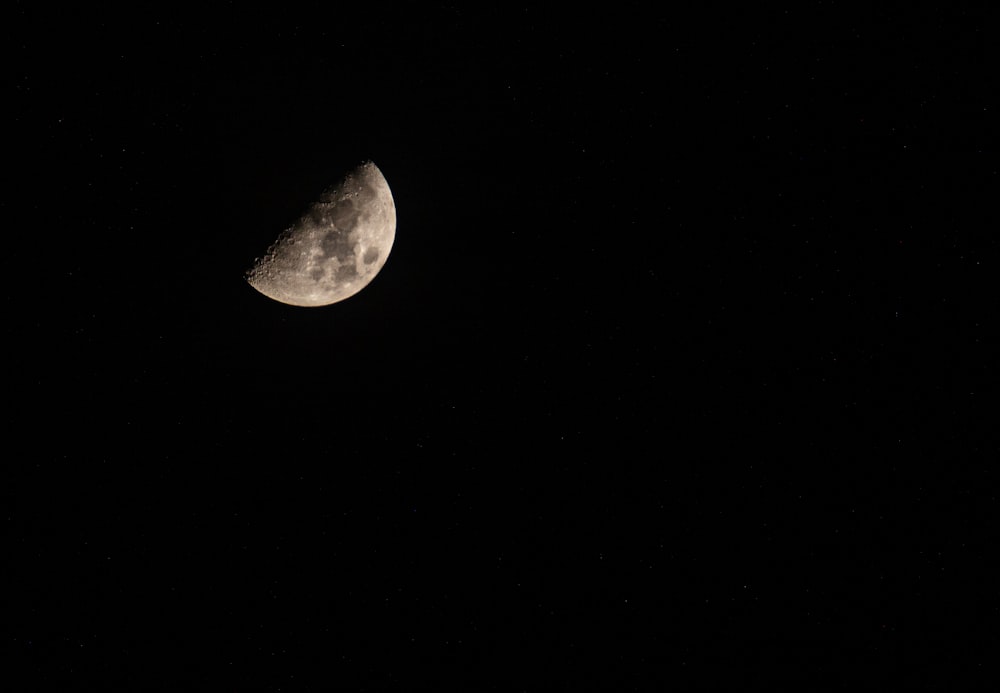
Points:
[(678, 372)]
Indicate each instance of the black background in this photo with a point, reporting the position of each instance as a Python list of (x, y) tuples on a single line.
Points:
[(678, 372)]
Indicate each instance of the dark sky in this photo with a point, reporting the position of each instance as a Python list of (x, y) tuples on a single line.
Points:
[(678, 372)]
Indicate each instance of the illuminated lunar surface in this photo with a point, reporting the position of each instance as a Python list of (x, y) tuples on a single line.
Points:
[(336, 248)]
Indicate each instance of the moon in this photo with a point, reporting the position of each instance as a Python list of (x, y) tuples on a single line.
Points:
[(336, 248)]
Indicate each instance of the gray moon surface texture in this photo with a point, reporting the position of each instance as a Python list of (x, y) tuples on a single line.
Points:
[(336, 248)]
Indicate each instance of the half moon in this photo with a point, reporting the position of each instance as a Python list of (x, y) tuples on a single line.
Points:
[(336, 248)]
